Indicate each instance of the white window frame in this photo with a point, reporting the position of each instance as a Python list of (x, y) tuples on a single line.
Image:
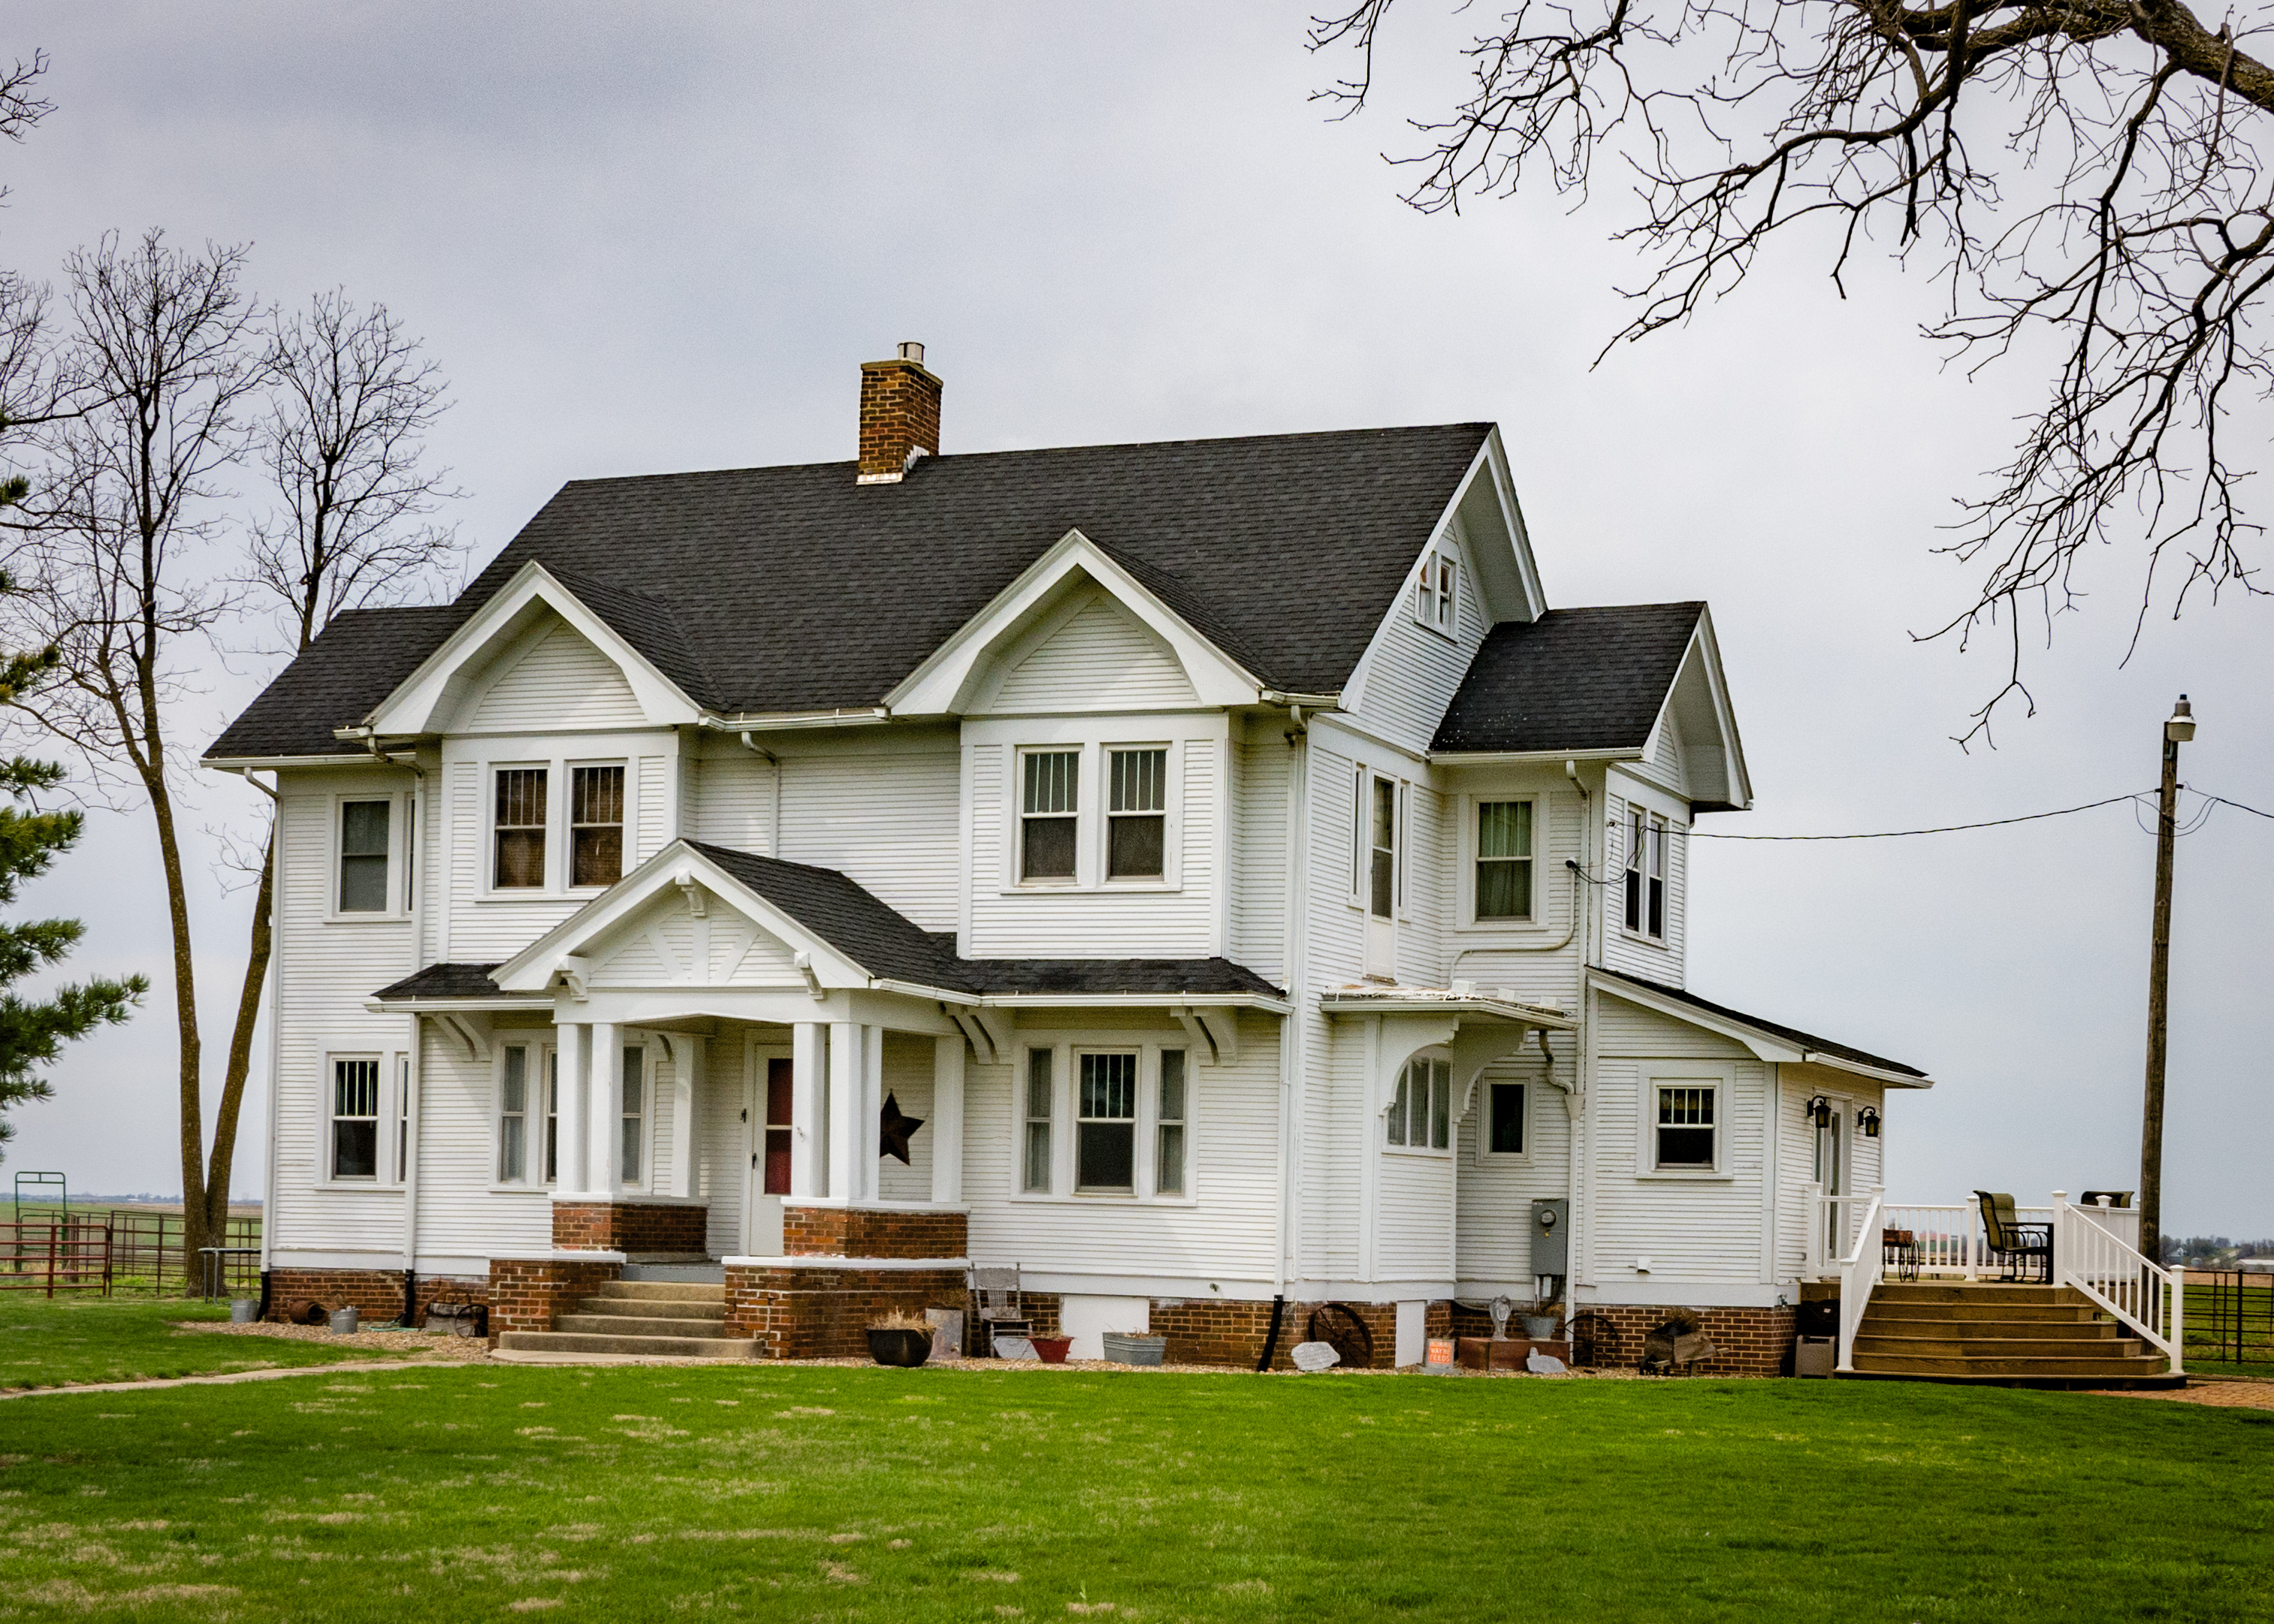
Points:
[(1437, 591), (1435, 1060), (387, 1109), (568, 825), (1102, 1051), (1656, 849), (1687, 1074), (1065, 1049), (541, 1061), (400, 848), (1093, 794), (1467, 845), (1485, 1153), (550, 871), (559, 788), (1107, 750)]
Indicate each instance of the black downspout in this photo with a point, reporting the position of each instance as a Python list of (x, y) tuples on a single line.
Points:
[(1271, 1342), (410, 1299), (265, 1284)]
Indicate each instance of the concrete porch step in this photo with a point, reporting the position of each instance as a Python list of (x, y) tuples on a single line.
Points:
[(709, 1327), (664, 1291), (734, 1348), (651, 1308)]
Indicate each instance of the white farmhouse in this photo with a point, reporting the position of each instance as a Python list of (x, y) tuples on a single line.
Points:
[(1207, 876)]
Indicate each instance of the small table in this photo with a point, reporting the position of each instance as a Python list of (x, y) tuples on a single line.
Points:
[(1898, 1252)]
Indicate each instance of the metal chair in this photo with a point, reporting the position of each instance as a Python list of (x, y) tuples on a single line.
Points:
[(2107, 1198), (999, 1314), (2019, 1246)]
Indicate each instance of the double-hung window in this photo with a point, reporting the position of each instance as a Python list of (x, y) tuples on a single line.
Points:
[(551, 1115), (1437, 596), (1506, 1101), (1169, 1129), (1048, 819), (1105, 1128), (1421, 1110), (520, 829), (635, 1114), (1685, 1128), (596, 825), (363, 845), (1382, 851), (1504, 860), (354, 1118), (1034, 1157), (1137, 814), (1646, 877), (513, 1118)]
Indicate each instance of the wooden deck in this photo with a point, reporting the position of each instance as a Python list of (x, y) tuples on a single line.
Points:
[(2007, 1335)]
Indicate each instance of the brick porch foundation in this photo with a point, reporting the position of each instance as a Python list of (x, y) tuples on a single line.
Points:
[(631, 1226), (376, 1295), (823, 1310), (873, 1232), (1747, 1342), (526, 1293)]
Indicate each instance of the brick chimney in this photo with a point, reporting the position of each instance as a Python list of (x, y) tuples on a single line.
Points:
[(899, 416)]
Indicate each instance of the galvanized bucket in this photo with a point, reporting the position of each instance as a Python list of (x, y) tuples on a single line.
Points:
[(343, 1321), (244, 1310)]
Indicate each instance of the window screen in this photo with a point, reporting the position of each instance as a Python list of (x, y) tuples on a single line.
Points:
[(634, 1124), (513, 1119)]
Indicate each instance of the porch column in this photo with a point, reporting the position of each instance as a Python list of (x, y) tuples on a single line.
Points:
[(847, 1069), (687, 1058), (569, 1083), (866, 1154), (947, 1120), (607, 1127), (808, 1070)]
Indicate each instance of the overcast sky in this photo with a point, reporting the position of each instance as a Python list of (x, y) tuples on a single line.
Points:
[(655, 238)]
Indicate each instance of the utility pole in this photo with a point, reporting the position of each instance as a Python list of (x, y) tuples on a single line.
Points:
[(2177, 730)]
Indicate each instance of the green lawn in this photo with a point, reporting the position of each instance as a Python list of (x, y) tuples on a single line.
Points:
[(52, 1344), (850, 1494)]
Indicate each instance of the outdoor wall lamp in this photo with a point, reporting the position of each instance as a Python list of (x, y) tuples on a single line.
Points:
[(1818, 1110), (1868, 1119)]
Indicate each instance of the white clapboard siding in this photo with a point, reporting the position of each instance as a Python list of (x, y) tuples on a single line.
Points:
[(1094, 923), (731, 801), (1259, 866), (1692, 1229), (326, 969), (1412, 671), (1333, 1130), (1496, 1191), (653, 773), (1413, 1237), (661, 1106), (883, 819), (1526, 962), (907, 1078), (558, 681), (487, 929), (1224, 1233), (724, 1142), (461, 1212), (1430, 853), (1102, 659)]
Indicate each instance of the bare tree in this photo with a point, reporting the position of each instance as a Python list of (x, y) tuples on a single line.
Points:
[(122, 562), (350, 403), (2082, 172)]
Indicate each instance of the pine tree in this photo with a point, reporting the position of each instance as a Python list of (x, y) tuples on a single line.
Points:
[(34, 1031)]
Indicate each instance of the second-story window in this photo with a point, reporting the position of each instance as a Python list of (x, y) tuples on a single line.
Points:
[(1504, 860), (1137, 820), (596, 825), (1646, 877), (520, 828), (363, 828), (1048, 814), (1437, 597), (1381, 873)]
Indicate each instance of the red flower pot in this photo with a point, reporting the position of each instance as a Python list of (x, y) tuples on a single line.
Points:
[(1052, 1349)]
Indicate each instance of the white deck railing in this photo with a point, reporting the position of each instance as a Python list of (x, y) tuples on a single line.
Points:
[(1859, 1276), (2088, 1254)]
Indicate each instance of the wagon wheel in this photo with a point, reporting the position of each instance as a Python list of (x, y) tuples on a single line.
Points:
[(1592, 1338), (1338, 1326)]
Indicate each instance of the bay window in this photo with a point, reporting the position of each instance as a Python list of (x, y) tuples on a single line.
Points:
[(1645, 874), (1421, 1110)]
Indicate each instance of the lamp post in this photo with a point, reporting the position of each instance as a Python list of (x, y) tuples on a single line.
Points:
[(2177, 730)]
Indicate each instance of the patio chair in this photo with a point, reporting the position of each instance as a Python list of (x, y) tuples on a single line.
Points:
[(2110, 1197), (2020, 1247), (997, 1290)]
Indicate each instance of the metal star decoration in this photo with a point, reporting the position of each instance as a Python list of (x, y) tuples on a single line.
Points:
[(894, 1130)]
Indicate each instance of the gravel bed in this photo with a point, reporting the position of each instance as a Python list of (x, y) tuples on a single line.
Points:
[(468, 1348)]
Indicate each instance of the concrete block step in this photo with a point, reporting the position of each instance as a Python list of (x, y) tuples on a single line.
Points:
[(665, 1291), (1997, 1347), (633, 1325), (651, 1308), (666, 1347), (2025, 1369)]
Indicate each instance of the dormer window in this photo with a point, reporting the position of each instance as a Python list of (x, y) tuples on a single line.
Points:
[(1048, 819), (1646, 877), (1438, 595)]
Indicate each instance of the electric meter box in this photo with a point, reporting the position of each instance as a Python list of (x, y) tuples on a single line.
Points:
[(1551, 1237)]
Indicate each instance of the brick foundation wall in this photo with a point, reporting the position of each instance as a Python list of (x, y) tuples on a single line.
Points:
[(525, 1293), (1747, 1342), (1220, 1332), (376, 1295), (823, 1312), (866, 1232), (631, 1226), (453, 1287)]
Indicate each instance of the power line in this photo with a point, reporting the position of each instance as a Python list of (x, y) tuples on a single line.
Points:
[(1947, 829), (2237, 805)]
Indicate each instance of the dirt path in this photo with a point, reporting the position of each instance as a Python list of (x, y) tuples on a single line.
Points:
[(357, 1367), (2219, 1395)]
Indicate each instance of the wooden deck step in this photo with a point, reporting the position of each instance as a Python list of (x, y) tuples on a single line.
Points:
[(1994, 1333)]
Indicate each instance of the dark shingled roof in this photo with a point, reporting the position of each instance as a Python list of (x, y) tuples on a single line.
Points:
[(1286, 550), (1572, 679), (445, 981), (361, 658), (889, 944), (1804, 1039)]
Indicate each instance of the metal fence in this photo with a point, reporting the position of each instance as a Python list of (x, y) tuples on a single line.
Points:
[(2231, 1316), (54, 1254), (145, 1249)]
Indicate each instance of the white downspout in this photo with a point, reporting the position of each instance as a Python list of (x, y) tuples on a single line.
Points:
[(1578, 1188), (1292, 1030)]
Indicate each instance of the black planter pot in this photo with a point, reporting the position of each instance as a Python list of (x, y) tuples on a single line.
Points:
[(904, 1349)]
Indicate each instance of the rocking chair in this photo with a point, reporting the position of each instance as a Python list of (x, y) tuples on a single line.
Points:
[(999, 1314), (2020, 1247)]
